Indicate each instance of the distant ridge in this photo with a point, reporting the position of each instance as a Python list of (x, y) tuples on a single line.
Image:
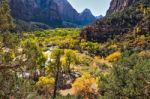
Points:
[(52, 13)]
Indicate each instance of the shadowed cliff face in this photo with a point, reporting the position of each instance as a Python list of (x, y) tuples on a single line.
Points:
[(50, 12), (118, 5), (44, 11), (69, 14)]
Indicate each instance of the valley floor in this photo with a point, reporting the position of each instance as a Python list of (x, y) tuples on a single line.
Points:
[(58, 64)]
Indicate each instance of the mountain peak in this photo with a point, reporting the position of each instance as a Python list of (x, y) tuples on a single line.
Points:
[(87, 11), (87, 17)]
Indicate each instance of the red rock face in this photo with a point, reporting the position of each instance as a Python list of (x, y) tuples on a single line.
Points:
[(118, 5)]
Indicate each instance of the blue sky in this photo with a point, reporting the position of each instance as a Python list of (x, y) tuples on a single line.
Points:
[(97, 7)]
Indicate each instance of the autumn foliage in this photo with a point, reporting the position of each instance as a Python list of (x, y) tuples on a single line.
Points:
[(114, 56), (85, 85)]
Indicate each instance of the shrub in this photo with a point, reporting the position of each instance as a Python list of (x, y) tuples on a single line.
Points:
[(114, 56)]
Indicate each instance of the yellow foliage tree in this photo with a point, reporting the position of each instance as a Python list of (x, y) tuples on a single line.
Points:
[(85, 86), (45, 81), (45, 85), (114, 56)]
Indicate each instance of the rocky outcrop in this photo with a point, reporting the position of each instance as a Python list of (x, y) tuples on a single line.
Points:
[(118, 5)]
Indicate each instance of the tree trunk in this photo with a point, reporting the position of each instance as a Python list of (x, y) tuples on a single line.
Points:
[(55, 86), (58, 65)]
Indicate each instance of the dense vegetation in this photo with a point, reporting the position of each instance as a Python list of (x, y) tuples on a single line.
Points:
[(77, 67), (59, 64), (135, 18)]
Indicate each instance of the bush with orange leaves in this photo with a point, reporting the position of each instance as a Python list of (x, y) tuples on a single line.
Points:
[(114, 56), (85, 86)]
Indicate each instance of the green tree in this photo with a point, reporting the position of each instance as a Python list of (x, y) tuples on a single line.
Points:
[(129, 78), (69, 58), (8, 66), (34, 57), (5, 18)]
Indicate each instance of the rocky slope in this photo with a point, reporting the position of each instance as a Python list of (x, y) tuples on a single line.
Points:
[(118, 5), (135, 18)]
